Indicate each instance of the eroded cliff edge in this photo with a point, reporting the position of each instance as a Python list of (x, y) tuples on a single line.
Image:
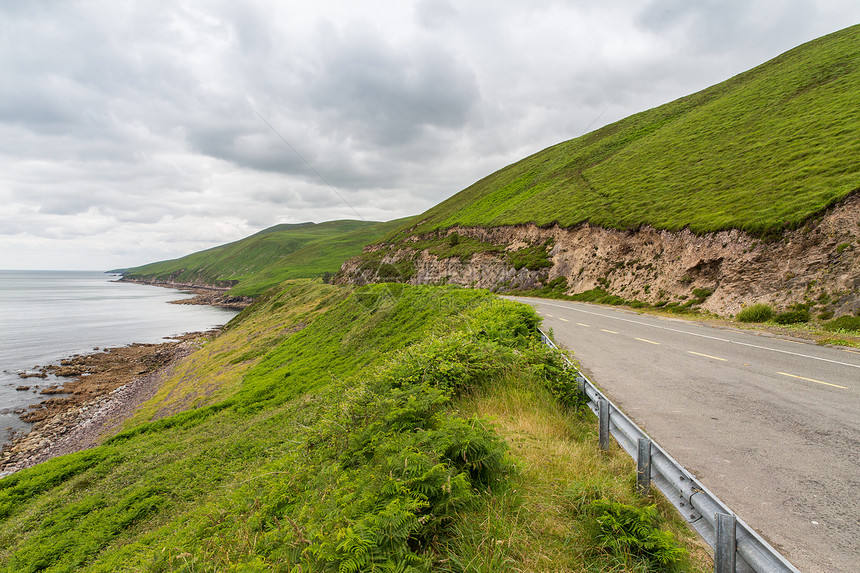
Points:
[(817, 262)]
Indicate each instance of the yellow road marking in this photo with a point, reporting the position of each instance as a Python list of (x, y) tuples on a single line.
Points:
[(581, 324), (851, 351), (648, 341), (811, 380), (548, 315), (709, 356), (563, 319), (609, 331)]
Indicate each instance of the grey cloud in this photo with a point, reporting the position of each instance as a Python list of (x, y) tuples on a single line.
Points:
[(434, 14), (386, 95), (730, 25)]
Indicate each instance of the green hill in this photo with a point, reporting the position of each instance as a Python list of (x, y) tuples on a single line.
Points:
[(253, 264), (763, 151)]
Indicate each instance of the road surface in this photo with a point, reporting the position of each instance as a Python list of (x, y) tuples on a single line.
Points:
[(771, 426)]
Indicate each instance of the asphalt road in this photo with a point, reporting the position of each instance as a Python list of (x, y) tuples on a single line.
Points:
[(771, 426)]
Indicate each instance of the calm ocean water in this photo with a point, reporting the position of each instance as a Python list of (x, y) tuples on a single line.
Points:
[(49, 315)]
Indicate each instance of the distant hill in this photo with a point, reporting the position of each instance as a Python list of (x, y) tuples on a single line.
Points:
[(255, 263), (761, 152)]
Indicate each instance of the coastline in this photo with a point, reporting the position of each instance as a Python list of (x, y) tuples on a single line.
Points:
[(105, 390), (203, 294)]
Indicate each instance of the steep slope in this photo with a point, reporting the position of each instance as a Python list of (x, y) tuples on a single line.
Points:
[(255, 263), (746, 190), (760, 152)]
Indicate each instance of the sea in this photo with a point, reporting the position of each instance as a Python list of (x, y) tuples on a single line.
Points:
[(46, 316)]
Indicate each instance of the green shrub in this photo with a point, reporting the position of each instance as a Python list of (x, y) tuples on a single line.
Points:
[(701, 294), (849, 323), (755, 313), (634, 534), (598, 295), (792, 317), (558, 283), (533, 258)]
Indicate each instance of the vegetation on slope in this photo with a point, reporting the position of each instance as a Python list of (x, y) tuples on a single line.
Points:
[(279, 253), (388, 428), (763, 151)]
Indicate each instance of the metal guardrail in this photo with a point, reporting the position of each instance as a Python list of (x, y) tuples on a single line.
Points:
[(737, 547)]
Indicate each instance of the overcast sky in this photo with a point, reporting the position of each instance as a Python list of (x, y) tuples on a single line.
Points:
[(132, 132)]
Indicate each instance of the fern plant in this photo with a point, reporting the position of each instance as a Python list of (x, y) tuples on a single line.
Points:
[(634, 534)]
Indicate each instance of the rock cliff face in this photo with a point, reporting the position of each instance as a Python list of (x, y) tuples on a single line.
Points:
[(818, 262)]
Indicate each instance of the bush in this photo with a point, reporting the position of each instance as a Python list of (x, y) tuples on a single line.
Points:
[(598, 295), (849, 323), (634, 534), (755, 313), (532, 258), (701, 294), (792, 317)]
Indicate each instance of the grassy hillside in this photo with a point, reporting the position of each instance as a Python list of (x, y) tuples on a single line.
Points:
[(314, 259), (762, 151), (330, 429), (279, 253)]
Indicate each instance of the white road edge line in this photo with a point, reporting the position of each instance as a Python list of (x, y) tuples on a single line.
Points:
[(703, 335)]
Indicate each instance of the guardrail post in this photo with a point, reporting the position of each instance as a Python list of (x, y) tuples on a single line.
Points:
[(726, 544), (580, 384), (603, 423), (643, 466)]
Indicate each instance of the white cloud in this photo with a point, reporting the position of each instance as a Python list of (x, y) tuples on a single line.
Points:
[(131, 133)]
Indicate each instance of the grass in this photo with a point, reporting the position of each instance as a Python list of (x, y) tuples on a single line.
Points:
[(763, 151), (331, 428), (755, 313), (542, 522)]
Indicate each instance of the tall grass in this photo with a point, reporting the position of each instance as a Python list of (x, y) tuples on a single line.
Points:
[(544, 521), (755, 313)]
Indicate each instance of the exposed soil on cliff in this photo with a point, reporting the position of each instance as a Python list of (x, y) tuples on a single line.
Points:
[(816, 263)]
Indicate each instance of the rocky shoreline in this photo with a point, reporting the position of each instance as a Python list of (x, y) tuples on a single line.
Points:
[(106, 388), (203, 294)]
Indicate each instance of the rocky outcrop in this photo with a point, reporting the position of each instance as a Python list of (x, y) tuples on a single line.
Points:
[(818, 262), (221, 286), (204, 294)]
